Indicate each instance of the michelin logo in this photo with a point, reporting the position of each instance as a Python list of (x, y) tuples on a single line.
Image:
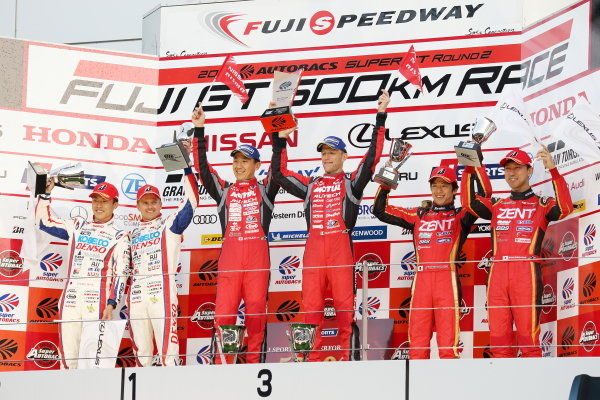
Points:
[(287, 236)]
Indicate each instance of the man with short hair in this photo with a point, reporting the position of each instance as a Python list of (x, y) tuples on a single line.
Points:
[(331, 207), (98, 260), (439, 232), (245, 208), (519, 223), (155, 249)]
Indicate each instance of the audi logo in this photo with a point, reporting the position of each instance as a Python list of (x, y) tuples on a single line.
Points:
[(205, 219)]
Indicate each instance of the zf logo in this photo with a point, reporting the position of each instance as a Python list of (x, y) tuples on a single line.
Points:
[(131, 184)]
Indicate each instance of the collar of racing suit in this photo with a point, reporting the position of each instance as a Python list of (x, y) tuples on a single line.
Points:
[(522, 195), (248, 182), (445, 207)]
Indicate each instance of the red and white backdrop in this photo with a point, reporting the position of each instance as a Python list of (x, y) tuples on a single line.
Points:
[(111, 110)]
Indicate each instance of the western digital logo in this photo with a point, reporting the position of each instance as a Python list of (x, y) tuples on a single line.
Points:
[(369, 232)]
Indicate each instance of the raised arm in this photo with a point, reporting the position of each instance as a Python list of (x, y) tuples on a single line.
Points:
[(477, 201), (185, 213), (562, 205), (46, 219), (292, 182), (210, 178), (404, 217)]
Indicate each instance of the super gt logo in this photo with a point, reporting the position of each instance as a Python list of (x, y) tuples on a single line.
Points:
[(235, 27)]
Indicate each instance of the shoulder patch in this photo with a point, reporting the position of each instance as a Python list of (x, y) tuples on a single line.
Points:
[(544, 200)]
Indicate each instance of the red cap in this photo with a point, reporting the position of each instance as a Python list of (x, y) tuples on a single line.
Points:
[(148, 189), (445, 173), (518, 156), (105, 190)]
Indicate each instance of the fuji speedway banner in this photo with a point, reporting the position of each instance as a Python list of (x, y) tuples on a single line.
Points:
[(111, 110)]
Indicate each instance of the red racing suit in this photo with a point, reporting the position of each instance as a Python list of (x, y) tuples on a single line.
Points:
[(245, 209), (514, 285), (439, 233), (98, 260), (155, 249), (331, 207)]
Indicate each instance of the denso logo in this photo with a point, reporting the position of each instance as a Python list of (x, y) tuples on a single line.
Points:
[(514, 213), (235, 27), (430, 226), (66, 137)]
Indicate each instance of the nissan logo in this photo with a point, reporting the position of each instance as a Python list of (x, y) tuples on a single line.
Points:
[(205, 219)]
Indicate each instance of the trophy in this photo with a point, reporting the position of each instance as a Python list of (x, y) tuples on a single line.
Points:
[(231, 338), (174, 155), (69, 176), (388, 174), (302, 340), (280, 117), (469, 153)]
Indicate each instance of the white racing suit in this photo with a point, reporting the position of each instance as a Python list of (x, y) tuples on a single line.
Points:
[(98, 262), (155, 248)]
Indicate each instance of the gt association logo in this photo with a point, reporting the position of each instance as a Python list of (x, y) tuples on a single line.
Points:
[(44, 354), (375, 266), (288, 268), (236, 27), (589, 336), (373, 304)]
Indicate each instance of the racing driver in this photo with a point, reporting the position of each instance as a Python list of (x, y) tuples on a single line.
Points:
[(519, 223), (439, 232), (245, 208), (331, 207), (98, 264)]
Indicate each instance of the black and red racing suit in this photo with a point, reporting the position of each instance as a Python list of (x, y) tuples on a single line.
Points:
[(245, 209), (514, 285), (439, 233), (331, 208)]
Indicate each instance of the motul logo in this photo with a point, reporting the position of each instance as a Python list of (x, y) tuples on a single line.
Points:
[(66, 137)]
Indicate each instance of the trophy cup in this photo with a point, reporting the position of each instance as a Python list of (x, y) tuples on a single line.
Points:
[(232, 339), (69, 176), (173, 155), (280, 117), (469, 153), (302, 340), (388, 174)]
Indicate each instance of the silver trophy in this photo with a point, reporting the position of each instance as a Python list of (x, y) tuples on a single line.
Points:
[(400, 151), (231, 338), (302, 340), (469, 153), (174, 156), (69, 176)]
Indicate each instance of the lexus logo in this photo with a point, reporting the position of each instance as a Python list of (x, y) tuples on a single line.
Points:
[(360, 135), (205, 219), (79, 212)]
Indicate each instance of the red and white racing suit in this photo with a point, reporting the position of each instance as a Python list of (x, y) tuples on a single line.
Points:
[(155, 249), (439, 233), (331, 207), (514, 289), (98, 260), (245, 209)]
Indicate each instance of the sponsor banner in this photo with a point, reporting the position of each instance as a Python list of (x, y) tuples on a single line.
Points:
[(480, 313), (549, 296), (203, 271), (403, 265), (198, 351), (286, 269), (13, 307), (376, 258), (567, 333), (51, 269), (245, 28), (400, 308), (12, 269), (589, 244), (126, 357), (589, 290), (548, 339), (567, 284), (12, 350), (42, 351), (43, 309), (201, 315), (182, 275), (284, 307), (377, 304), (560, 246), (588, 336)]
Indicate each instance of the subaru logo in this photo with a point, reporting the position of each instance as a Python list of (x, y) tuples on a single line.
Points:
[(131, 184)]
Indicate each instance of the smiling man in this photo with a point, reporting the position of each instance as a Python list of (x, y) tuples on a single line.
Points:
[(245, 209), (331, 207), (98, 264), (439, 232), (155, 249), (519, 224)]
